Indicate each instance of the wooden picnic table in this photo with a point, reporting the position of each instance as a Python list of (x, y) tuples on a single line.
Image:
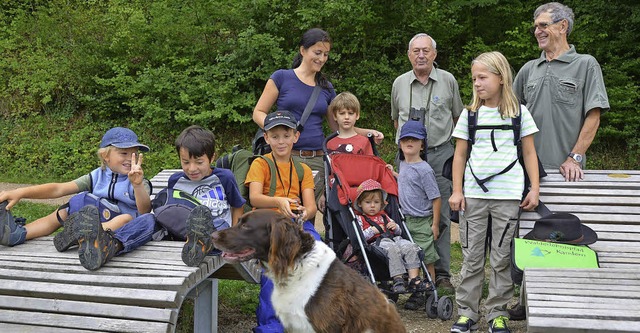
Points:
[(590, 300), (43, 290)]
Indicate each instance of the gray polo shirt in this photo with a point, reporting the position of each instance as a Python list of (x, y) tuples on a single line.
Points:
[(559, 93), (440, 97)]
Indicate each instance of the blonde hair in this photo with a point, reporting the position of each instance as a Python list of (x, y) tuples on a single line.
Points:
[(102, 152), (377, 193), (496, 63), (344, 100)]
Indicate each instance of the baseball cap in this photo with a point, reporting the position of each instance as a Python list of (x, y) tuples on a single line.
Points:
[(414, 129), (280, 117), (121, 137)]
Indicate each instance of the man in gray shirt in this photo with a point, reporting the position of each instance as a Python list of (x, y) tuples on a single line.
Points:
[(434, 95), (564, 91)]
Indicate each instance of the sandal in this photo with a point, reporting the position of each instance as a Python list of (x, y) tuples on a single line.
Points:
[(417, 284), (398, 285)]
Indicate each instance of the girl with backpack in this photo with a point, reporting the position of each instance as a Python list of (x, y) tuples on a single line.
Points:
[(493, 152)]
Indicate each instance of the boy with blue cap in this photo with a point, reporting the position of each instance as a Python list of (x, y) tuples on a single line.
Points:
[(118, 187), (419, 197)]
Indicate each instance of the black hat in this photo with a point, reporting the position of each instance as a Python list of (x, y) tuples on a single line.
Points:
[(562, 228), (280, 118)]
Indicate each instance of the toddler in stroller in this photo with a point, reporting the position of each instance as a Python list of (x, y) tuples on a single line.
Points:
[(347, 172), (381, 231)]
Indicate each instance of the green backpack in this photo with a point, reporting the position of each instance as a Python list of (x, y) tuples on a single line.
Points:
[(239, 161)]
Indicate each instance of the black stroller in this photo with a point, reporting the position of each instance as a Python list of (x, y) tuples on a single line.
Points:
[(343, 173)]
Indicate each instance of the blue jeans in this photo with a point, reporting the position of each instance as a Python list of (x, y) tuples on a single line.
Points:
[(268, 322), (136, 233)]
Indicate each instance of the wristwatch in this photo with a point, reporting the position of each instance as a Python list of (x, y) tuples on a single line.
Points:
[(576, 157)]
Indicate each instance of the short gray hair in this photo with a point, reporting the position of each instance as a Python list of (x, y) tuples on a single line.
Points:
[(558, 13), (420, 35)]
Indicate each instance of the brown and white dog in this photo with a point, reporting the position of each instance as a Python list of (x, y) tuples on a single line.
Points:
[(313, 290)]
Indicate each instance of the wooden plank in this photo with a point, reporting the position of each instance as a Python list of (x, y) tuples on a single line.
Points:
[(7, 327), (585, 304), (551, 287), (563, 191), (83, 322), (113, 295), (572, 325), (160, 283), (592, 200), (536, 273), (591, 217), (80, 308), (601, 314)]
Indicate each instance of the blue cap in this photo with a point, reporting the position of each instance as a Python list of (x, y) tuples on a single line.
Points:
[(121, 137), (414, 129), (280, 118)]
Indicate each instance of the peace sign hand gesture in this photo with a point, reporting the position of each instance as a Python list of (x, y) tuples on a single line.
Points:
[(136, 174)]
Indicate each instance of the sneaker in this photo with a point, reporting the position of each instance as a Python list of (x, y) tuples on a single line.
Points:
[(416, 301), (518, 312), (464, 325), (398, 285), (199, 229), (11, 232), (97, 246), (499, 325), (445, 285), (66, 238)]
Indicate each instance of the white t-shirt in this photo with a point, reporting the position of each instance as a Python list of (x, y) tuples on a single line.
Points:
[(486, 162)]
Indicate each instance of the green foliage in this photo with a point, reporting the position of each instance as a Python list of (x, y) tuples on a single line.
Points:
[(80, 67)]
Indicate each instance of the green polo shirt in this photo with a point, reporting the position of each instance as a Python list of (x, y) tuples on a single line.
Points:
[(440, 97), (559, 93)]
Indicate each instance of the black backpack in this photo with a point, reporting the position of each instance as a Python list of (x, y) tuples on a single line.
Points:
[(516, 127)]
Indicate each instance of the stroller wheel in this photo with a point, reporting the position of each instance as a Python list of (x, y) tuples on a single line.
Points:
[(431, 307), (445, 308)]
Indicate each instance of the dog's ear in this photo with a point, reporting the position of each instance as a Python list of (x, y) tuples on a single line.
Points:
[(285, 246)]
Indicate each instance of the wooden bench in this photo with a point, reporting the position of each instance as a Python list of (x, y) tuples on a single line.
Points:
[(42, 290), (590, 300)]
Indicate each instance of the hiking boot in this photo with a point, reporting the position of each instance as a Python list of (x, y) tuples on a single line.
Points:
[(517, 312), (464, 325), (66, 238), (199, 229), (499, 325), (97, 246), (11, 231), (445, 285), (416, 301)]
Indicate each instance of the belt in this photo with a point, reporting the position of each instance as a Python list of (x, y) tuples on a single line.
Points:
[(444, 145), (307, 153)]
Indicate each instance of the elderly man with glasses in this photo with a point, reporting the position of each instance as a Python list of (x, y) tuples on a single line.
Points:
[(429, 94), (564, 91)]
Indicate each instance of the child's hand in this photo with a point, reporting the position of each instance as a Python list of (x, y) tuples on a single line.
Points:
[(285, 205), (392, 226), (377, 137), (11, 197), (530, 202), (456, 201), (136, 175), (436, 231)]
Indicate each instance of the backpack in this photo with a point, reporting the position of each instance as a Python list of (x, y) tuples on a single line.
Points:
[(239, 161), (107, 209), (516, 127), (171, 208)]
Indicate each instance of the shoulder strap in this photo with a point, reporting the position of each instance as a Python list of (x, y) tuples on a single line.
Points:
[(272, 168), (309, 107)]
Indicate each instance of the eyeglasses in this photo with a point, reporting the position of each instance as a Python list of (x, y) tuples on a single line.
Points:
[(543, 25)]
